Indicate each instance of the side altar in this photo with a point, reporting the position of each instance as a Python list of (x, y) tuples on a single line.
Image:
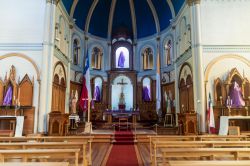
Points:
[(232, 102), (16, 100)]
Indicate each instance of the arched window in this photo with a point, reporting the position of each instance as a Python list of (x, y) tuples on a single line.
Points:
[(96, 61), (168, 52), (76, 50), (147, 59)]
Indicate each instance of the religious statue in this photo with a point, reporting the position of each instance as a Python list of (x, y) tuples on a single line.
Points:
[(236, 96), (122, 103), (122, 99), (97, 94), (8, 96), (73, 102), (146, 94), (168, 102), (121, 60)]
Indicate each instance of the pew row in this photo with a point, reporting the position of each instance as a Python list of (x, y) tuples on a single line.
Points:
[(36, 164), (50, 145), (88, 139), (167, 138), (209, 163), (210, 153), (40, 154)]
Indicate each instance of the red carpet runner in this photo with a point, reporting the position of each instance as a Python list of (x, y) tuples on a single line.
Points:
[(123, 151)]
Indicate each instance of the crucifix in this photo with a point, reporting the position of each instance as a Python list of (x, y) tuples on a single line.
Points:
[(122, 83), (122, 97)]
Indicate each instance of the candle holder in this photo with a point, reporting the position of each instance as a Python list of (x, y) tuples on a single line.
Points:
[(221, 100), (229, 104)]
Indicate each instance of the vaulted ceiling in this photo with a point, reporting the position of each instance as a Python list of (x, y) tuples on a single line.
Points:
[(141, 17)]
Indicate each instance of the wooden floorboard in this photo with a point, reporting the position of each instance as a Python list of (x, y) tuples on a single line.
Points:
[(99, 151), (144, 152)]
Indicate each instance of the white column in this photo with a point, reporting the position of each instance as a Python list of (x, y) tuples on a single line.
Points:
[(68, 93), (47, 67), (177, 108), (198, 71)]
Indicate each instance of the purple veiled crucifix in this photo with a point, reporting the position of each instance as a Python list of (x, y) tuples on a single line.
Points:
[(236, 96), (121, 59), (146, 94), (8, 97), (97, 94)]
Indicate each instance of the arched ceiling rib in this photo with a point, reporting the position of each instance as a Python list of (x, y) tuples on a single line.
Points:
[(141, 17)]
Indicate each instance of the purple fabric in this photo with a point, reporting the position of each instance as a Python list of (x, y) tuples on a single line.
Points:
[(97, 94), (8, 97), (146, 94), (121, 60), (236, 96)]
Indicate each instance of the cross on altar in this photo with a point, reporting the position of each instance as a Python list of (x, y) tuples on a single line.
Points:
[(122, 83)]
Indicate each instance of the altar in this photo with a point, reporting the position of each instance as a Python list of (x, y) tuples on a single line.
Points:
[(224, 122), (116, 114)]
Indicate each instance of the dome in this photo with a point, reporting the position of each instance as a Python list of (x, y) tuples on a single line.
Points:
[(142, 18)]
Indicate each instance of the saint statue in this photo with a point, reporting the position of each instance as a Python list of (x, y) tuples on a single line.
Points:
[(121, 60), (168, 102), (146, 94), (97, 94), (73, 102), (236, 96), (8, 97)]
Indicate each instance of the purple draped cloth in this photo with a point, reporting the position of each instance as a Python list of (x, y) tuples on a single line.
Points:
[(121, 59), (146, 94), (236, 96), (8, 97), (97, 94)]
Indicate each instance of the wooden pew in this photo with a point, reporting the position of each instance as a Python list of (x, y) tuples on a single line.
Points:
[(209, 163), (168, 138), (222, 138), (39, 154), (191, 138), (36, 164), (54, 139), (235, 153), (49, 145), (158, 145)]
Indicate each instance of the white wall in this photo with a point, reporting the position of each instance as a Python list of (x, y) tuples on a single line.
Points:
[(21, 21), (225, 22)]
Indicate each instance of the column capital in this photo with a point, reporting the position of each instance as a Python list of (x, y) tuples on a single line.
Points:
[(193, 2), (53, 1)]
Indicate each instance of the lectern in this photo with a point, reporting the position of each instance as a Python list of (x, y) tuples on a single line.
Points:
[(187, 123)]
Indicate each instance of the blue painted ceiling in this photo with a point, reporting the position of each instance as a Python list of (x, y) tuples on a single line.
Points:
[(145, 21)]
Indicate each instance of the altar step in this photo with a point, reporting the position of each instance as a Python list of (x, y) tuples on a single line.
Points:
[(123, 138)]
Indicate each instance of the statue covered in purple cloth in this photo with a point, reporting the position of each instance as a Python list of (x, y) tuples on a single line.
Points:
[(8, 97), (146, 94), (121, 60), (236, 96), (97, 93)]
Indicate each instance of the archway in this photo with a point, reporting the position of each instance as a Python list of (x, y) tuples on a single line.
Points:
[(122, 93)]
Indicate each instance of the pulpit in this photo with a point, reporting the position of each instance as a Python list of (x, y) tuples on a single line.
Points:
[(58, 123), (187, 123)]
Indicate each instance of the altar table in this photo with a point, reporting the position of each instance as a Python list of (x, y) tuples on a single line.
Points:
[(224, 123), (121, 113), (18, 124)]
